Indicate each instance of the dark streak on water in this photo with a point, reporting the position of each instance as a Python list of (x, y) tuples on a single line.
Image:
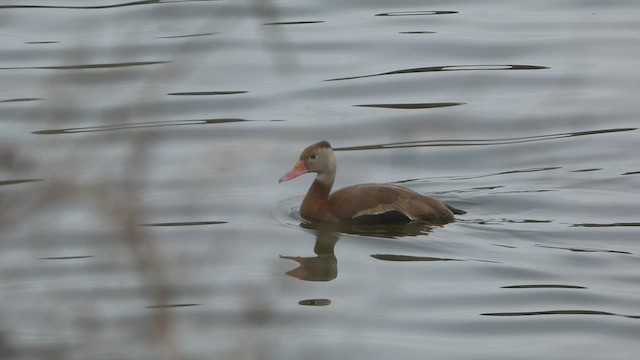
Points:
[(67, 257), (315, 302), (448, 68), (417, 13), (141, 125), (586, 250), (505, 221), (502, 221), (525, 191), (543, 286), (88, 66), (528, 221), (560, 312), (169, 306), (187, 36), (295, 22), (593, 225), (206, 93), (508, 172), (586, 170), (18, 181), (110, 6), (390, 257), (481, 142), (20, 100), (187, 223), (505, 246), (413, 105), (417, 32)]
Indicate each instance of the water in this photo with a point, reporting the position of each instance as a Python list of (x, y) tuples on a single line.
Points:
[(141, 143)]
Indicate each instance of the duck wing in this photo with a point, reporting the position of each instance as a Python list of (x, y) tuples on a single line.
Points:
[(380, 203)]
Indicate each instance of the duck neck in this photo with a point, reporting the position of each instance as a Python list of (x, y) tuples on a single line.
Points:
[(314, 205)]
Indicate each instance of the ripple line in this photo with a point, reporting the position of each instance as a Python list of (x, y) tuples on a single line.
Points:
[(169, 306), (67, 257), (586, 170), (18, 181), (607, 225), (108, 6), (294, 22), (447, 68), (20, 100), (417, 32), (403, 258), (186, 36), (560, 312), (508, 172), (417, 13), (586, 250), (206, 93), (187, 223), (42, 42), (412, 106), (481, 142), (140, 125), (87, 66), (543, 286), (314, 302)]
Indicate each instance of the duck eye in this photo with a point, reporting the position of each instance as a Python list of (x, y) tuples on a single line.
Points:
[(313, 156)]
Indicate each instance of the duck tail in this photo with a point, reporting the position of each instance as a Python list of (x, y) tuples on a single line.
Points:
[(455, 211)]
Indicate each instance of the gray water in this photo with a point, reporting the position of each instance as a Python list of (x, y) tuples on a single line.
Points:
[(141, 143)]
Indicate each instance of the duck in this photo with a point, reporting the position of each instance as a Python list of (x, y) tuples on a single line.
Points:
[(362, 203)]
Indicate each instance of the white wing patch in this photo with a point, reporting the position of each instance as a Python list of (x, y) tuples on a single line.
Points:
[(381, 209)]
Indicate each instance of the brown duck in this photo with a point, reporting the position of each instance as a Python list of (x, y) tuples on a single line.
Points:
[(364, 203)]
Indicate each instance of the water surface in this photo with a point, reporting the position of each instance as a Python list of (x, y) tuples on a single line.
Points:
[(141, 143)]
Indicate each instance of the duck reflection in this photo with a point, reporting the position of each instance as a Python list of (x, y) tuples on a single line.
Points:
[(387, 230), (324, 266)]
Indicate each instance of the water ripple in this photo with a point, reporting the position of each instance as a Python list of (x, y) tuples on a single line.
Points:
[(108, 6), (18, 181), (314, 302), (87, 66), (413, 105), (42, 42), (206, 93), (390, 231), (508, 172), (295, 22), (417, 13), (447, 68), (543, 286), (169, 306), (187, 223), (608, 225), (402, 258), (417, 32), (67, 257), (587, 170), (560, 312), (140, 125), (187, 36), (573, 249), (20, 100), (481, 142)]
